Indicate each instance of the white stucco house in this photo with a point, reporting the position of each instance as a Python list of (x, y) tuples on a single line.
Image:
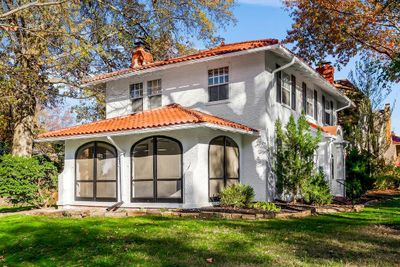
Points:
[(177, 131)]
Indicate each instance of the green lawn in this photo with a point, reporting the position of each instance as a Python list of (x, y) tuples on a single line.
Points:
[(371, 237)]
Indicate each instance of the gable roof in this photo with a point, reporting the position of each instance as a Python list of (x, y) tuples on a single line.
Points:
[(169, 115), (219, 50)]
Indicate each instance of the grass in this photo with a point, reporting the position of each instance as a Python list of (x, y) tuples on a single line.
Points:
[(369, 238)]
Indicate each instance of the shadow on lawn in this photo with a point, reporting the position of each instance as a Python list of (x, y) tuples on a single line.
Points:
[(112, 243), (15, 209), (352, 238)]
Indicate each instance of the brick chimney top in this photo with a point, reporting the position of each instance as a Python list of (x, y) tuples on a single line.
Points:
[(327, 71), (140, 56)]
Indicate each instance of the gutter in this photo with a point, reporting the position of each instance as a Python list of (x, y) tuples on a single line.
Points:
[(285, 66), (120, 156)]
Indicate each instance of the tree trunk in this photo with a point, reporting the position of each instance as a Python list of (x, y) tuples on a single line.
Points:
[(23, 136)]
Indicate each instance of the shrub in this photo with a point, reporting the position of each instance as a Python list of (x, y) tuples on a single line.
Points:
[(354, 189), (237, 195), (27, 180), (316, 190), (388, 178), (268, 206)]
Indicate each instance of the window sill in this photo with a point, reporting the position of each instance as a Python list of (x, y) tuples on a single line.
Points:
[(225, 101)]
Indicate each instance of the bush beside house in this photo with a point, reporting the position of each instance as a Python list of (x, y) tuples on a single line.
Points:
[(27, 180), (297, 175)]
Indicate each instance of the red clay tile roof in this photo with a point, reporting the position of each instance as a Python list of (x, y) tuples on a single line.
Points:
[(173, 114), (219, 50), (332, 130)]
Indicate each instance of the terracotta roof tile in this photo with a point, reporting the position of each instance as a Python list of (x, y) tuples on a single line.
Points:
[(332, 130), (169, 115), (219, 50)]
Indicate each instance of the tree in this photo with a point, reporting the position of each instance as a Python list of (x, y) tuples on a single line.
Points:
[(344, 29), (365, 126), (47, 47), (295, 150)]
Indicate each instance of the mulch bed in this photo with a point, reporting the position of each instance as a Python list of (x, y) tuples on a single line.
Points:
[(288, 210)]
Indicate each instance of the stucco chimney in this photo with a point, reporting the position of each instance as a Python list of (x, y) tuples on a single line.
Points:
[(327, 71), (140, 56)]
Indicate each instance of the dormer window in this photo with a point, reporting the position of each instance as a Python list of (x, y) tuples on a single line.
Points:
[(154, 91), (218, 84), (136, 94)]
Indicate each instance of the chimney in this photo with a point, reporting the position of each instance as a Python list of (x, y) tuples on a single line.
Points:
[(140, 56), (327, 71)]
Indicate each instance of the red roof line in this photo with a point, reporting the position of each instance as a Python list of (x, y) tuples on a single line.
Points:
[(172, 114), (218, 50)]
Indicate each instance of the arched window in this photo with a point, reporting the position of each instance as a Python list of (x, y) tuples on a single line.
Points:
[(157, 170), (96, 172), (223, 165)]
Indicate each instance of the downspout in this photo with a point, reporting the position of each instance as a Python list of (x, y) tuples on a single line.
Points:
[(285, 66), (120, 155)]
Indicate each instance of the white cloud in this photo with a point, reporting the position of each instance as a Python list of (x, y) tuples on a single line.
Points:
[(272, 3)]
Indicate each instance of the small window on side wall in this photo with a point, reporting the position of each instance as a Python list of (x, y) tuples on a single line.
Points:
[(218, 84), (286, 88), (154, 91), (136, 93)]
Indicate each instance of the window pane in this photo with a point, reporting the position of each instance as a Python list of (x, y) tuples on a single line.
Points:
[(169, 189), (216, 158), (136, 90), (232, 159), (155, 101), (286, 97), (142, 189), (168, 159), (84, 189), (106, 162), (137, 105), (231, 181), (215, 187), (84, 163), (106, 189), (213, 93), (154, 87), (143, 160)]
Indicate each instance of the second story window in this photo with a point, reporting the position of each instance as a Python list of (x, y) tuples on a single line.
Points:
[(136, 94), (327, 111), (218, 84), (154, 92), (310, 104), (315, 105), (286, 88)]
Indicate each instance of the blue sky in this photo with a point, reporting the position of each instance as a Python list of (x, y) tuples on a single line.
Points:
[(258, 19)]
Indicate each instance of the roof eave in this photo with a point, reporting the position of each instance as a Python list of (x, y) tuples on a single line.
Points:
[(322, 82), (149, 130), (180, 64)]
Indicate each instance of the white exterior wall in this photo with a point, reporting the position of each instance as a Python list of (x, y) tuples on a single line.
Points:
[(195, 168), (252, 102)]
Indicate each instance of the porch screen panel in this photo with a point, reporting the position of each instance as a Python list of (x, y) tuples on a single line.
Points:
[(142, 179), (96, 172), (223, 165), (157, 170), (85, 172)]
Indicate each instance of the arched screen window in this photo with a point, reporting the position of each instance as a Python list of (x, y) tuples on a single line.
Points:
[(157, 170), (96, 172), (223, 165)]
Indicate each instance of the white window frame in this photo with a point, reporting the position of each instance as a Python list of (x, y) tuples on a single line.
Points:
[(154, 87), (218, 77), (286, 87), (310, 103), (140, 90), (327, 110)]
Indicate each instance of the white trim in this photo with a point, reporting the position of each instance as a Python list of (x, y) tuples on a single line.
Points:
[(149, 130), (179, 64)]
